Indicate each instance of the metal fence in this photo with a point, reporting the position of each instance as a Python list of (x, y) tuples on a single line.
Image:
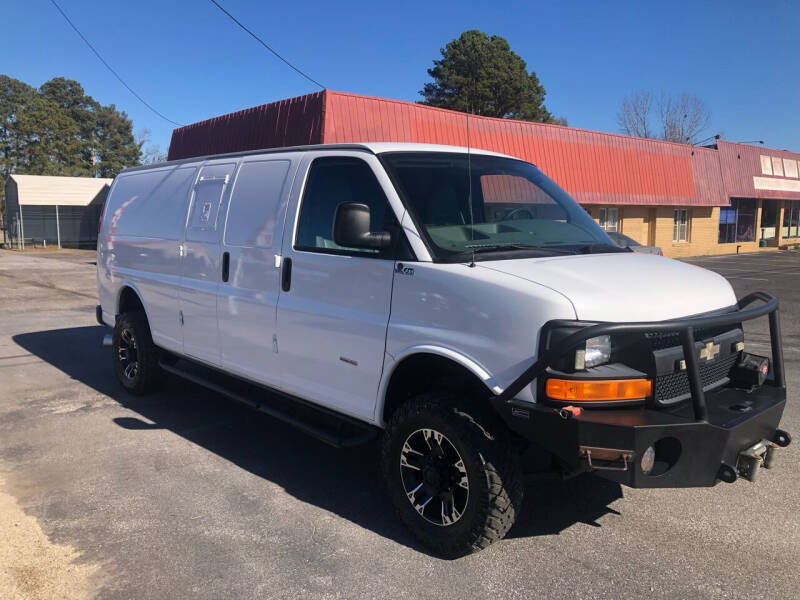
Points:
[(61, 226)]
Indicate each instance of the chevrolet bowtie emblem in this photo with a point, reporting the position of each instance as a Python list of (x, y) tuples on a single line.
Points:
[(709, 351)]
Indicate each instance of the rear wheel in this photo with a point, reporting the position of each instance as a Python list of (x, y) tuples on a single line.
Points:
[(135, 355), (454, 482)]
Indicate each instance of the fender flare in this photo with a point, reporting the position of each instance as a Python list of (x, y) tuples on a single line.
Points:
[(468, 363)]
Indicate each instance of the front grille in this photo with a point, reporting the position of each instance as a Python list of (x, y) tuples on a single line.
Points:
[(668, 339), (674, 387)]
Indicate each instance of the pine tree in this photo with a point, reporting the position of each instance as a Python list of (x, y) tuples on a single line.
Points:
[(82, 109), (480, 74), (116, 146)]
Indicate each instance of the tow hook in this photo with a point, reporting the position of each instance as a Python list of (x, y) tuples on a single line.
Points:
[(567, 412), (107, 341), (758, 455)]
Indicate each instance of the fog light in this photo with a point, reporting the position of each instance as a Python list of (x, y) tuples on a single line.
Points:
[(648, 460)]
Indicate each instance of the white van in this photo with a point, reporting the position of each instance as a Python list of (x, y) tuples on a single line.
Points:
[(457, 302)]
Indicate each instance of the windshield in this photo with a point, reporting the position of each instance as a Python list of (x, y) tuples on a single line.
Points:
[(622, 240), (515, 208)]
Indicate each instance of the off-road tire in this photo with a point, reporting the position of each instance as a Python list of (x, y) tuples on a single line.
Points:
[(148, 375), (492, 466)]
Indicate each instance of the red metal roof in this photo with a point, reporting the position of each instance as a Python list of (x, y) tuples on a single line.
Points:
[(742, 170), (292, 122), (594, 167)]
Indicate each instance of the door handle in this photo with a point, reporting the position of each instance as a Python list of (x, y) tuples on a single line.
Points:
[(226, 265), (286, 274)]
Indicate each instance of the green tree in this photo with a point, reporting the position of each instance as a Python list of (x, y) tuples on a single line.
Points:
[(51, 144), (116, 146), (61, 130), (16, 99), (480, 74), (82, 109)]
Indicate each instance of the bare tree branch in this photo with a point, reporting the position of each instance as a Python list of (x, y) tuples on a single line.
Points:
[(682, 118), (150, 153), (633, 117)]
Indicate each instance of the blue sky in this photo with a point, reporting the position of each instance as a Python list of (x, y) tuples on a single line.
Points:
[(189, 61)]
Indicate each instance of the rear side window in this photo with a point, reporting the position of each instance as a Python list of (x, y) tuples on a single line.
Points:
[(151, 203), (209, 189), (256, 210), (331, 182)]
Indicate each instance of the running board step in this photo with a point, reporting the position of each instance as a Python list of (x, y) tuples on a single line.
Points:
[(326, 425)]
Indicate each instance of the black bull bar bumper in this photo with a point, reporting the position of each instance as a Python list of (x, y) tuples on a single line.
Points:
[(693, 445)]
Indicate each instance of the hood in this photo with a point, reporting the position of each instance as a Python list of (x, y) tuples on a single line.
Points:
[(625, 286)]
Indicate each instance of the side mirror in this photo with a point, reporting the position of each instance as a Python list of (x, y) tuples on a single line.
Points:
[(351, 228)]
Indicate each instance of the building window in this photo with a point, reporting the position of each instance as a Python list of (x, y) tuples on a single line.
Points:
[(791, 220), (737, 222), (769, 219), (766, 165), (608, 218), (775, 165), (727, 224), (680, 225)]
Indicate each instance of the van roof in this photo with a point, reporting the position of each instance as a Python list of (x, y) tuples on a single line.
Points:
[(372, 147)]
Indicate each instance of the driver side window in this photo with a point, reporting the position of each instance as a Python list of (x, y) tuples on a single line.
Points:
[(331, 182)]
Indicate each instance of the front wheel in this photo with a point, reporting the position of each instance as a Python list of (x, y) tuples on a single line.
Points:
[(454, 483), (135, 355)]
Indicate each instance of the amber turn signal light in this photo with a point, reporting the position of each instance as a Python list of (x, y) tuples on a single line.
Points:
[(603, 390)]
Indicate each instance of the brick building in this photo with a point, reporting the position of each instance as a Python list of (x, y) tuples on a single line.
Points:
[(689, 200)]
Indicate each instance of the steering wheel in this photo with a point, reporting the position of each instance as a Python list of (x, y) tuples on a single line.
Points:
[(518, 211)]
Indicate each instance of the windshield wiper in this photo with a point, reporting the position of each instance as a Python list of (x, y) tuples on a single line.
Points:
[(498, 248), (600, 249), (509, 248)]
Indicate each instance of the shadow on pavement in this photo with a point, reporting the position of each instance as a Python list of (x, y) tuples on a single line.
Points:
[(344, 481)]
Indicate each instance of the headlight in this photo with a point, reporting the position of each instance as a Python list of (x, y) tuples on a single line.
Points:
[(596, 352)]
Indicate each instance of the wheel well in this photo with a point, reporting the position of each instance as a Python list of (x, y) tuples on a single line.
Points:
[(427, 372), (129, 301)]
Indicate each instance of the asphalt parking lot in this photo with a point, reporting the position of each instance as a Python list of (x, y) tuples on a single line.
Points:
[(186, 494)]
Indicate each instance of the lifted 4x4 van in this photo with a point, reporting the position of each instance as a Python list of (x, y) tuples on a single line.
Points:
[(459, 303)]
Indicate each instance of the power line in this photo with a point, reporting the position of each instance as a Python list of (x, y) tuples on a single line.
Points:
[(102, 60), (263, 43)]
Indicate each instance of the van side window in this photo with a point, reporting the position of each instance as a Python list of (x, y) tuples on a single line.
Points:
[(206, 203), (208, 191), (331, 182), (256, 208), (157, 197)]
